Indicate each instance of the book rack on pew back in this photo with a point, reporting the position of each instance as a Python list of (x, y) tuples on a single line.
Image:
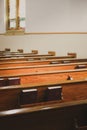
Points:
[(46, 93)]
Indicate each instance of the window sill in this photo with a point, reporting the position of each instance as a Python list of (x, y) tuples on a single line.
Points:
[(15, 32)]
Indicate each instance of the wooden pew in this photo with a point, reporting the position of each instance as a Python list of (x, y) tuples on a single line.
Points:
[(7, 49), (25, 55), (50, 76), (3, 53), (20, 50), (33, 53), (38, 57), (42, 68), (29, 95), (44, 117), (40, 62)]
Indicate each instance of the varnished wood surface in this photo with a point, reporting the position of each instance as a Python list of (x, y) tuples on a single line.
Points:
[(44, 117), (34, 58), (71, 91), (42, 68), (24, 56), (50, 76), (40, 62)]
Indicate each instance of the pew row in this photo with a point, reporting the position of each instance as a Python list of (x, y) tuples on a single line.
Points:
[(41, 62), (38, 57), (45, 117), (48, 76), (29, 55), (3, 53), (29, 95), (42, 68)]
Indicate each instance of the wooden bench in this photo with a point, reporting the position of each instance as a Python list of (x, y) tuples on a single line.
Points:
[(18, 53), (44, 117), (48, 76), (38, 57), (40, 62), (24, 55), (47, 93), (42, 68)]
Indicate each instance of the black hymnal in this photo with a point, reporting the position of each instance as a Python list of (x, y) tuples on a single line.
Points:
[(54, 62), (14, 81), (66, 61), (54, 93), (2, 82), (28, 96), (80, 66)]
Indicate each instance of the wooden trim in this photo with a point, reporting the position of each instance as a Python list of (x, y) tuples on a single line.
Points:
[(17, 14), (40, 33), (7, 14)]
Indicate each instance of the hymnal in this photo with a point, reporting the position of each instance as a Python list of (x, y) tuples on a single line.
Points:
[(80, 66), (14, 81), (2, 82), (54, 93), (28, 96)]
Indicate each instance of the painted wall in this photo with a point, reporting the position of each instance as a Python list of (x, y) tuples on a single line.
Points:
[(56, 16), (61, 43)]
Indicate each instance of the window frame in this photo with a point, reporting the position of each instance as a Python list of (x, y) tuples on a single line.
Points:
[(16, 30)]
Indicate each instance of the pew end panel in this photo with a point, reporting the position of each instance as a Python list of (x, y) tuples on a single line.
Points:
[(35, 51), (7, 49), (53, 53), (73, 55), (20, 50)]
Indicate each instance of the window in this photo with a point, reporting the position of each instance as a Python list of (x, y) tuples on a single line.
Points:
[(15, 15)]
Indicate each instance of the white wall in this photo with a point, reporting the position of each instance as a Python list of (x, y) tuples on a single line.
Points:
[(2, 18), (61, 43), (56, 16)]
